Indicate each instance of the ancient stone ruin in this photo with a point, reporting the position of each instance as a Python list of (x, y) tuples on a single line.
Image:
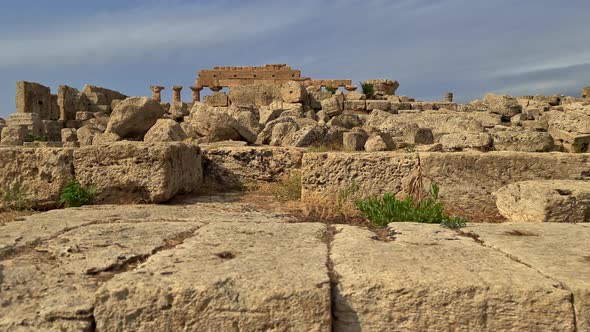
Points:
[(169, 246)]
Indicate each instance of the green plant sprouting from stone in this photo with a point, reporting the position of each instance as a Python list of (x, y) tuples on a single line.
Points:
[(381, 211), (331, 89), (368, 89), (15, 197), (76, 195)]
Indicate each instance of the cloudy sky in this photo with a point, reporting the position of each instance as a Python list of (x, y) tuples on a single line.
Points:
[(468, 47)]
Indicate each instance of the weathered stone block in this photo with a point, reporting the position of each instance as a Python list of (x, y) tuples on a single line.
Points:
[(468, 179), (41, 173), (133, 171), (259, 95), (68, 102), (328, 174), (355, 105), (271, 273), (33, 98), (545, 201), (32, 121), (526, 141), (217, 99), (460, 141), (384, 105), (69, 135), (443, 282), (354, 141), (84, 116), (235, 167), (13, 135), (52, 129)]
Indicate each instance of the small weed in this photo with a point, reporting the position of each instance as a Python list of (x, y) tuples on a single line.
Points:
[(331, 89), (16, 197), (35, 138), (388, 208), (368, 89), (288, 188), (75, 195)]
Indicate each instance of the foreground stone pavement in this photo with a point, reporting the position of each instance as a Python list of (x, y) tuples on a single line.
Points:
[(212, 265)]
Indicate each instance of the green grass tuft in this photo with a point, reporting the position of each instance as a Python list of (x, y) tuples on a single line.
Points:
[(368, 89), (386, 209), (16, 197), (75, 195), (331, 89)]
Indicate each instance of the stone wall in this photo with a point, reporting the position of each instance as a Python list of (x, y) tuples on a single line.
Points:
[(232, 168), (467, 180)]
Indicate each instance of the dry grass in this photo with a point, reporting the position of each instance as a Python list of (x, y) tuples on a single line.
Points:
[(12, 215)]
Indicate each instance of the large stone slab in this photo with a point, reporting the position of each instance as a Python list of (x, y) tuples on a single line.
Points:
[(468, 180), (234, 167), (127, 172), (51, 287), (431, 279), (558, 251), (545, 201), (40, 173), (229, 276), (368, 173)]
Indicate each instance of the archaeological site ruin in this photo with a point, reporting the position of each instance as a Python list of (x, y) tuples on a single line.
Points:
[(272, 201)]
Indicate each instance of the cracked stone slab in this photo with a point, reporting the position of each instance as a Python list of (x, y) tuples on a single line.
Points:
[(559, 251), (431, 279), (228, 277), (51, 287), (42, 226)]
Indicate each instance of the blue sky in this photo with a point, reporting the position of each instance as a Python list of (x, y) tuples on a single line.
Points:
[(469, 47)]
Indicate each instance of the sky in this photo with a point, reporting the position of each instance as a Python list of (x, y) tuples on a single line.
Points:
[(468, 47)]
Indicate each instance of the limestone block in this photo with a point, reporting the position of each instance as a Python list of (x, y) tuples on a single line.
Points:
[(235, 167), (354, 141), (347, 121), (13, 135), (31, 120), (69, 135), (395, 107), (416, 135), (558, 251), (384, 105), (379, 142), (461, 141), (134, 117), (259, 95), (545, 201), (468, 179), (76, 124), (101, 96), (105, 138), (384, 87), (84, 116), (134, 171), (437, 105), (61, 298), (571, 121), (353, 95), (165, 130), (104, 109), (52, 129), (355, 105), (68, 101), (86, 134), (41, 173), (217, 99), (307, 135), (443, 282), (526, 141), (272, 274), (33, 98), (2, 126), (501, 104), (328, 174), (293, 92), (333, 105)]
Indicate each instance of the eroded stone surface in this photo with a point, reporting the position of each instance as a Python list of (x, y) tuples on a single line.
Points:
[(230, 276), (559, 251), (51, 287), (431, 279)]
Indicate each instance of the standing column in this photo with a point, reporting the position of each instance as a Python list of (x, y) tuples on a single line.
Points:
[(176, 94), (449, 97), (196, 93), (157, 92)]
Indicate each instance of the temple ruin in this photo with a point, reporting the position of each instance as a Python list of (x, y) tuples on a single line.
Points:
[(271, 74)]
